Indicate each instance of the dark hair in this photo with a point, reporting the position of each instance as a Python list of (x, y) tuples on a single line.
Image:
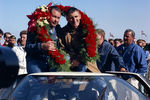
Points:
[(6, 34), (1, 32), (139, 40), (56, 8), (23, 32), (143, 40), (71, 10), (12, 37), (18, 40), (110, 40), (132, 32), (118, 39)]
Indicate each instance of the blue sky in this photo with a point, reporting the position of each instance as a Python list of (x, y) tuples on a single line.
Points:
[(113, 16)]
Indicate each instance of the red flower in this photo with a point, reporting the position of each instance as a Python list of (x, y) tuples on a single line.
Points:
[(91, 46), (66, 8), (54, 54), (60, 7), (91, 52), (87, 40), (57, 60), (62, 61), (60, 55)]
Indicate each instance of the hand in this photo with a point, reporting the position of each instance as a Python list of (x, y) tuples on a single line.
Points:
[(48, 46), (148, 59), (123, 70), (75, 63)]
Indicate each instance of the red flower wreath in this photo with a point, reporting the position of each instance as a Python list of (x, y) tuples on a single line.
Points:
[(89, 31), (39, 23)]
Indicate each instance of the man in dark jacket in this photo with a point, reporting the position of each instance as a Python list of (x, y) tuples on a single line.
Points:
[(37, 58), (110, 60), (72, 39)]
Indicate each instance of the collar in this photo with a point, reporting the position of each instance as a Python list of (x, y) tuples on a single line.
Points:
[(52, 30), (72, 29), (129, 45)]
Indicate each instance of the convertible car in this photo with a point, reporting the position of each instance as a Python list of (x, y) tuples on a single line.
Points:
[(76, 86), (66, 85)]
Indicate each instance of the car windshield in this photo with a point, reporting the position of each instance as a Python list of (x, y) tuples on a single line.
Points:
[(75, 88)]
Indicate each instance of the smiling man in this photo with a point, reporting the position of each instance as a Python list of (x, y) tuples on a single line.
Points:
[(37, 58), (72, 39)]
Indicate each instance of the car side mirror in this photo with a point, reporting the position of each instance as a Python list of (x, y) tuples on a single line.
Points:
[(9, 66)]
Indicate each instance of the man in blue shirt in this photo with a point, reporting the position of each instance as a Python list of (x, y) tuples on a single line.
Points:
[(110, 60), (133, 55)]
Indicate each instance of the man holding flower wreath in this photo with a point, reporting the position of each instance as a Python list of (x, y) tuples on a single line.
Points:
[(37, 58)]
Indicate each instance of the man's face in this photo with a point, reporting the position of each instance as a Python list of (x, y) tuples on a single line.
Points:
[(117, 43), (140, 44), (111, 42), (12, 41), (23, 39), (7, 37), (128, 38), (144, 44), (100, 39), (55, 17), (74, 19)]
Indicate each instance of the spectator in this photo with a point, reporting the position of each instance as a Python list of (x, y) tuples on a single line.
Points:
[(37, 58), (117, 42), (19, 41), (111, 41), (6, 38), (133, 56), (23, 38), (144, 44), (21, 53), (109, 57), (1, 34), (11, 41), (140, 43)]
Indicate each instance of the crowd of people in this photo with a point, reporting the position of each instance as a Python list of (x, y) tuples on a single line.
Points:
[(18, 46), (118, 54)]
